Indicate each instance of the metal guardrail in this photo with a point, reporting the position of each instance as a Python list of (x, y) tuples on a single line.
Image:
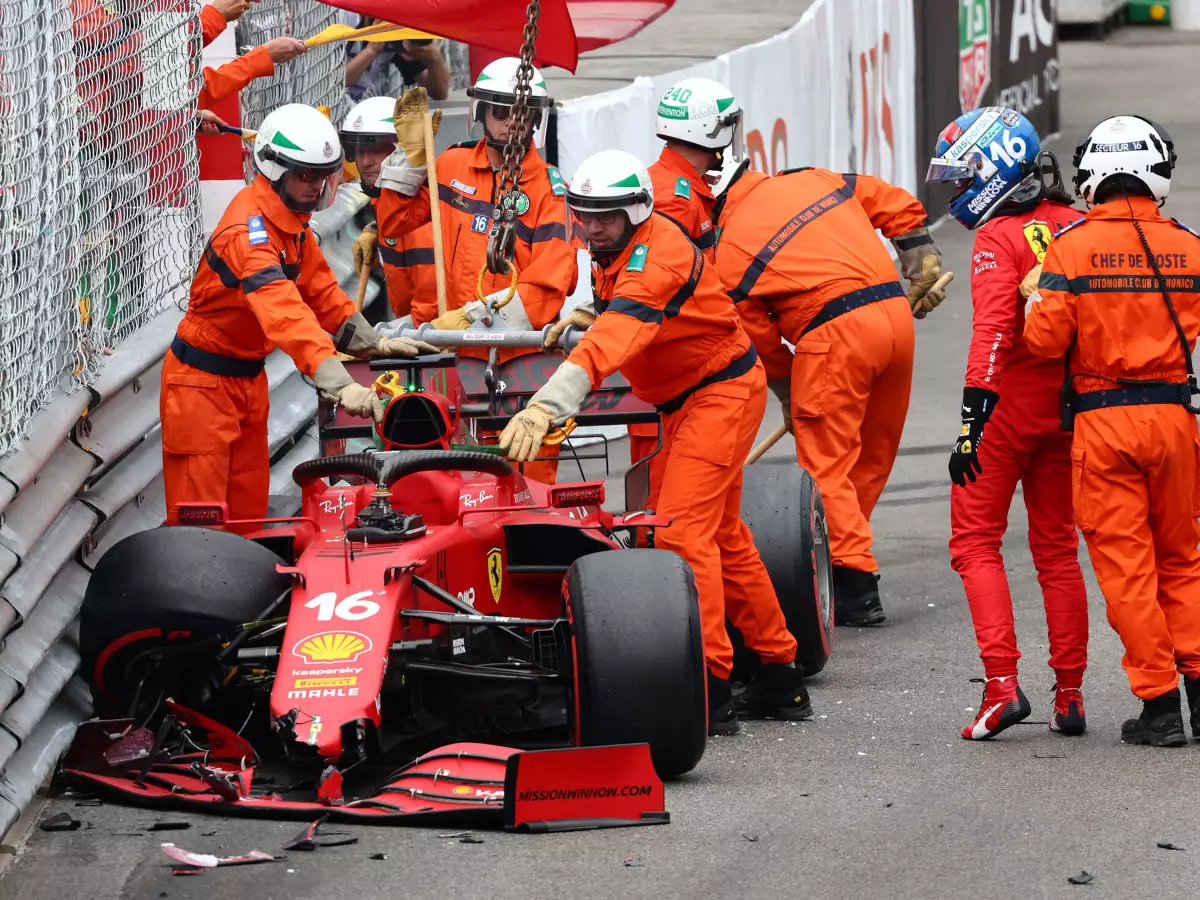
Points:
[(88, 475)]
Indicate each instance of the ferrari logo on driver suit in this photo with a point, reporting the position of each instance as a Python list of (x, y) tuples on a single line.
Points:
[(1038, 235), (495, 567)]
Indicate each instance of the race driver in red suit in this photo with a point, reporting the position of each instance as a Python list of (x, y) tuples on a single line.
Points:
[(993, 155)]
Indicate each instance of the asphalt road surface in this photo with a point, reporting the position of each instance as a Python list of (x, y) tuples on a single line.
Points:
[(876, 797)]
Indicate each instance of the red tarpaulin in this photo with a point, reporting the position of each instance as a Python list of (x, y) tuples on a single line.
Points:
[(493, 25), (598, 23)]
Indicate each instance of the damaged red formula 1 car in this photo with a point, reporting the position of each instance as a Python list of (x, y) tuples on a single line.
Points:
[(424, 596)]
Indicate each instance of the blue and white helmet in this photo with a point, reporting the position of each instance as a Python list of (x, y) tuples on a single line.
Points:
[(991, 155)]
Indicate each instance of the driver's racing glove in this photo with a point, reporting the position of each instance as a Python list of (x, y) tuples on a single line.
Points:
[(332, 379), (977, 407)]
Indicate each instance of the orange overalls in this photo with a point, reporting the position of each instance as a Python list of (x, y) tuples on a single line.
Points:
[(800, 257), (1134, 455), (262, 281), (546, 262), (666, 323), (682, 195), (408, 268)]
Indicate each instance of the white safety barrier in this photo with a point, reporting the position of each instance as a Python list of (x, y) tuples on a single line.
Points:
[(836, 90)]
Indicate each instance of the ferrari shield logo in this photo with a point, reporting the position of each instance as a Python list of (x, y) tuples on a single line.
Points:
[(495, 564), (1038, 235), (974, 51)]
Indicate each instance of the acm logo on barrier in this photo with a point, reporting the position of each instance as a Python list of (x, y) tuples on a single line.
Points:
[(876, 143)]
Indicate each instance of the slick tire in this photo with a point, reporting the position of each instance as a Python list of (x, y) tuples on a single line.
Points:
[(782, 505), (170, 588), (639, 656)]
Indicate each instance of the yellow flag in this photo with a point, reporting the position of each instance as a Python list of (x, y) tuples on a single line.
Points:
[(346, 33)]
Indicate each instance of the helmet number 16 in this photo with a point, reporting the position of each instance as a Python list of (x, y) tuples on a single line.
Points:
[(1013, 150)]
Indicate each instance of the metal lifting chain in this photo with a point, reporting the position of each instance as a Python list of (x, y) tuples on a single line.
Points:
[(502, 241)]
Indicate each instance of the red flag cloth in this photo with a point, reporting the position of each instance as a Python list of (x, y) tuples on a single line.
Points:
[(598, 23), (494, 25)]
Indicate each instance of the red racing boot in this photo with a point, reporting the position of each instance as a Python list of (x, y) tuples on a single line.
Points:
[(1002, 706), (1068, 717)]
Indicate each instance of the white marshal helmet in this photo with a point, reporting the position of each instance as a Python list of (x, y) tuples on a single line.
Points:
[(369, 124), (297, 141), (497, 86), (611, 180), (1125, 145), (703, 113)]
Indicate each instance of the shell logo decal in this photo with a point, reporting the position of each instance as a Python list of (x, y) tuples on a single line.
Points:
[(332, 646)]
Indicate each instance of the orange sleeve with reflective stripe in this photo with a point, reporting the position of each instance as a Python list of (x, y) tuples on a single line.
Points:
[(1051, 322), (276, 303), (212, 23), (230, 78), (397, 215), (626, 327), (891, 209), (768, 339), (553, 270), (320, 289)]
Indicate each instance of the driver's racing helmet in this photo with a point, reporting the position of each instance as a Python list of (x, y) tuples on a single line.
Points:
[(610, 182), (705, 114), (991, 156), (496, 87), (1125, 145), (298, 142)]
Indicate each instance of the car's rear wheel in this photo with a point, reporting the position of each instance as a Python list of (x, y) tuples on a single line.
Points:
[(157, 608), (782, 505), (639, 656)]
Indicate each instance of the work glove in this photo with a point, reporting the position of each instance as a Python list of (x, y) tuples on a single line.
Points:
[(332, 380), (357, 337), (582, 316), (782, 389), (921, 264), (408, 118), (392, 347), (977, 407), (523, 434), (365, 252), (453, 320), (1029, 284)]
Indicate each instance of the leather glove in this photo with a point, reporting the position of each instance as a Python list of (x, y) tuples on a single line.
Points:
[(408, 118), (977, 407), (389, 347), (453, 320), (1029, 284), (523, 434), (782, 389), (332, 380), (581, 317), (365, 253), (927, 286)]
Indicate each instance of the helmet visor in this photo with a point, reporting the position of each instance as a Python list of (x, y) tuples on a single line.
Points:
[(941, 170), (491, 116), (353, 141), (304, 189)]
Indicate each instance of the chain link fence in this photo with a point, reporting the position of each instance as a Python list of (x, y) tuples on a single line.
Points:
[(99, 213)]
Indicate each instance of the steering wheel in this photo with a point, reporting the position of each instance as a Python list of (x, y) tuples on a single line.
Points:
[(387, 470)]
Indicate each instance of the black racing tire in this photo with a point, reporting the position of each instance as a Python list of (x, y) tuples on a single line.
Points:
[(639, 656), (173, 587), (782, 505)]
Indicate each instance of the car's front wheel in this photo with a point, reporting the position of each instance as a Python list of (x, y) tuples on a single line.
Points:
[(639, 656)]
